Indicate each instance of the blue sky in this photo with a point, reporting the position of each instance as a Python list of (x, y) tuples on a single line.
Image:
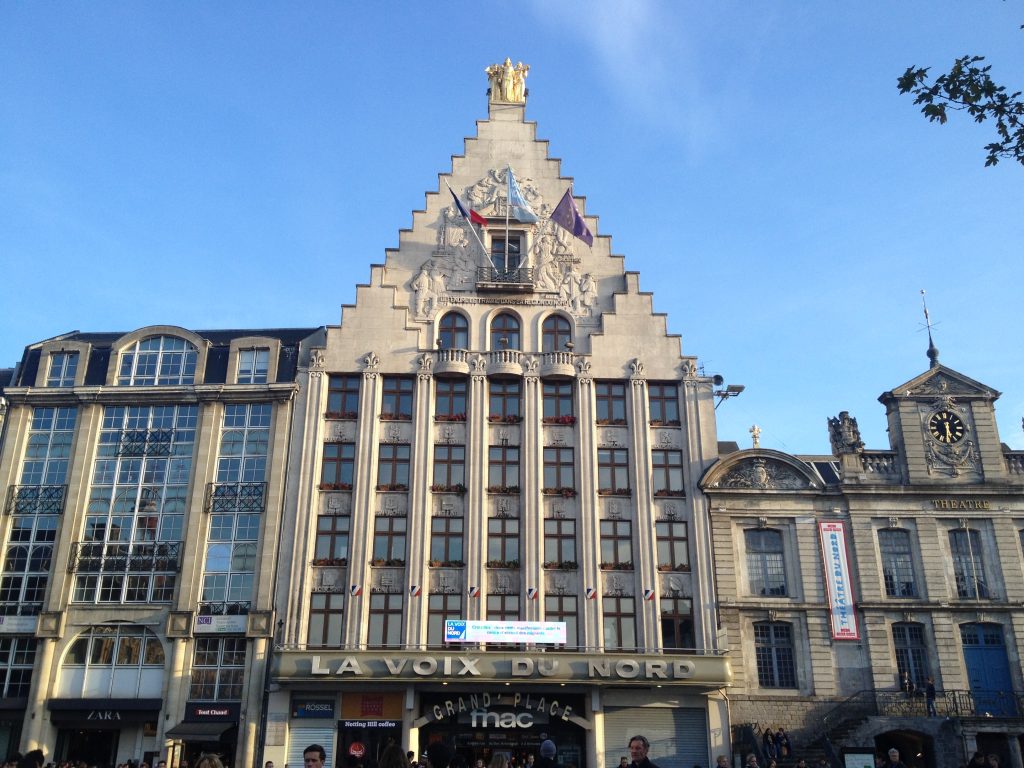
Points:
[(241, 164)]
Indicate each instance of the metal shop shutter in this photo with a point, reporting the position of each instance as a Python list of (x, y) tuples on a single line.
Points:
[(678, 736), (301, 736)]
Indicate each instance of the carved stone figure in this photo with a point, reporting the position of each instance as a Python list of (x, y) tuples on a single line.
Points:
[(844, 434), (587, 295), (765, 474)]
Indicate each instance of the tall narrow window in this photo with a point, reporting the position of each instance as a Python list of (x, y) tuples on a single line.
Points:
[(450, 399), (503, 468), (664, 403), (503, 542), (673, 545), (453, 332), (911, 652), (555, 334), (441, 608), (343, 397), (393, 467), (505, 401), (502, 608), (616, 544), (968, 564), (385, 625), (17, 659), (449, 468), (613, 471), (63, 367), (667, 473), (558, 403), (332, 539), (339, 466), (506, 259), (559, 472), (766, 568), (218, 669), (563, 608), (559, 543), (253, 365), (677, 623), (773, 647), (326, 612), (159, 360), (397, 398), (446, 541), (505, 332), (389, 540), (619, 623), (611, 402), (897, 563)]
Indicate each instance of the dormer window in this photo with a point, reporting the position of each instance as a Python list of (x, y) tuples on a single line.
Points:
[(63, 366), (253, 365), (158, 361)]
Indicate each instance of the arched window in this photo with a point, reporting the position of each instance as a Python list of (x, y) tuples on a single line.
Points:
[(158, 360), (118, 660), (453, 332), (773, 646), (555, 334), (505, 332)]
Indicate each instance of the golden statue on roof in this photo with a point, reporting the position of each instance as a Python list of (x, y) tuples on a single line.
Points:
[(508, 82)]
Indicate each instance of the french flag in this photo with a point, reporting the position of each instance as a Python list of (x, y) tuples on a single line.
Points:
[(470, 215), (591, 593), (356, 590), (415, 590), (648, 594), (531, 593), (474, 591)]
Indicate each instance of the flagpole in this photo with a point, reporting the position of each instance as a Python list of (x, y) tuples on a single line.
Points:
[(508, 204)]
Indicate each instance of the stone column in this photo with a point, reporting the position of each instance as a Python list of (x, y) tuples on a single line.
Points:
[(31, 738), (644, 556), (420, 504), (531, 509), (475, 510)]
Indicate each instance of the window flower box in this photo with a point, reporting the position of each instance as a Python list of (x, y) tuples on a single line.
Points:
[(563, 565), (664, 423), (669, 493), (336, 561), (502, 563), (674, 568), (611, 422), (458, 488), (495, 418), (392, 487), (335, 486), (388, 416), (450, 417), (342, 415), (627, 566), (506, 489), (565, 493), (614, 491), (393, 562), (446, 563), (566, 420)]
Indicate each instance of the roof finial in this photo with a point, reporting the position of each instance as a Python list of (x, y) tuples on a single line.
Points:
[(933, 351)]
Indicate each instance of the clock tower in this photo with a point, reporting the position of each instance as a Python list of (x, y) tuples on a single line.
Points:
[(942, 426)]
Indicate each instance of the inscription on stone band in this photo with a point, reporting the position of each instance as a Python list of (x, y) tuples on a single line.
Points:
[(960, 504)]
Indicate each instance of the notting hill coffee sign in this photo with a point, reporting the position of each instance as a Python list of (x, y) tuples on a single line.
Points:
[(645, 669)]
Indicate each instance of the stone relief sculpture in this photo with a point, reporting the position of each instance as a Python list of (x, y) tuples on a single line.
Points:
[(428, 287), (763, 474), (507, 82)]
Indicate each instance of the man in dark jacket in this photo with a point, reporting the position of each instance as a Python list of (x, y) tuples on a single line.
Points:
[(638, 747), (547, 755)]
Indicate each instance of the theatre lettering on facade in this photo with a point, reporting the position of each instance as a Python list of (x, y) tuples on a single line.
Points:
[(500, 429)]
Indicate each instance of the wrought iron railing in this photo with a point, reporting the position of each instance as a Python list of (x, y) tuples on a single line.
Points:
[(518, 276), (88, 557), (35, 499), (228, 498), (145, 442), (225, 608)]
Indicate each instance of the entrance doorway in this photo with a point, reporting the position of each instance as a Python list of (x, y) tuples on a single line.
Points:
[(95, 746), (988, 669), (917, 750)]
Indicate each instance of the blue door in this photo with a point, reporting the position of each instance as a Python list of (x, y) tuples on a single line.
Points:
[(988, 669)]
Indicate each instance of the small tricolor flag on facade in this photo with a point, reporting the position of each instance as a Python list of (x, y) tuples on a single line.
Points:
[(531, 593), (474, 591), (356, 590), (648, 594), (591, 593), (415, 590), (471, 216)]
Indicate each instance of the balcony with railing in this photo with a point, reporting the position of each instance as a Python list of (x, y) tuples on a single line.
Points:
[(881, 466), (519, 279), (35, 499), (451, 361), (225, 608), (505, 362), (558, 364), (229, 498), (162, 557)]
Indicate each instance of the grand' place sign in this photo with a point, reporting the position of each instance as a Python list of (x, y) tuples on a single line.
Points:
[(541, 667)]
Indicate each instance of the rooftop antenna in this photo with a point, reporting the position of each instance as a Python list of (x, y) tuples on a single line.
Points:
[(933, 352)]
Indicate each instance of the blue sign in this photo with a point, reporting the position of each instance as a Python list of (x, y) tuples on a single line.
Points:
[(454, 630)]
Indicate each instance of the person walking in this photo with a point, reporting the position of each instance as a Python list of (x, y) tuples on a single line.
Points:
[(929, 696), (639, 746)]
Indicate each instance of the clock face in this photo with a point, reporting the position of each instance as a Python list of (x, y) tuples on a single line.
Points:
[(946, 427)]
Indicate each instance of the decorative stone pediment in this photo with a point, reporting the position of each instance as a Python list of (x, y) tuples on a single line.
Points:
[(941, 382), (760, 470)]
